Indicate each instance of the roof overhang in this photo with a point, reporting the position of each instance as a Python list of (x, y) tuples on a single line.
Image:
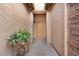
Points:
[(49, 6), (29, 6), (39, 12)]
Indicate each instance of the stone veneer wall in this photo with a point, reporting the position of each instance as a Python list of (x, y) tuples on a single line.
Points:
[(12, 18), (73, 29)]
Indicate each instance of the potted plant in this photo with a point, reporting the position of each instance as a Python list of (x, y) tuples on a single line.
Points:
[(19, 41)]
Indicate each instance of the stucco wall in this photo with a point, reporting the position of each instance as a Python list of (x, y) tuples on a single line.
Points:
[(55, 17), (12, 17)]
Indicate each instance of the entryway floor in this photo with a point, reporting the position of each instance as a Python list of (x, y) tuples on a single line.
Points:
[(41, 48)]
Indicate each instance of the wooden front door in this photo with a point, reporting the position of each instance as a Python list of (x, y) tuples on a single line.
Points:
[(39, 27)]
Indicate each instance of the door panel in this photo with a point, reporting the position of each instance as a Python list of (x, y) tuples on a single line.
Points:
[(40, 30)]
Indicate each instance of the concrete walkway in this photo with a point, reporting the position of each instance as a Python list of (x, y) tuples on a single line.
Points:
[(41, 48)]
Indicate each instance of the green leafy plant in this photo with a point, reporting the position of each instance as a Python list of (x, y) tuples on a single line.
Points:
[(19, 38)]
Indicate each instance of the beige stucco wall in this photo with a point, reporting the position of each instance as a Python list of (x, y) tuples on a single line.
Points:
[(12, 17), (55, 17)]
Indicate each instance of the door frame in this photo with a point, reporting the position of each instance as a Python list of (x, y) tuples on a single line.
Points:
[(39, 12)]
